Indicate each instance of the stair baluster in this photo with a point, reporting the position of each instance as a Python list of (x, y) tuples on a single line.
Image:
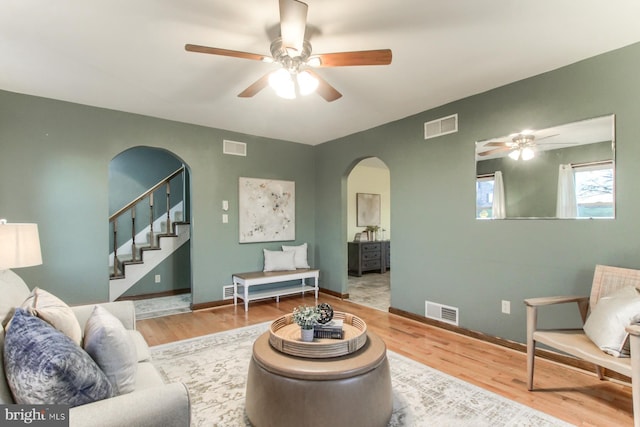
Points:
[(152, 237), (115, 247), (169, 230), (133, 233)]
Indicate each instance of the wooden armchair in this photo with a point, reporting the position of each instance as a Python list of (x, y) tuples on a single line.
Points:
[(576, 343)]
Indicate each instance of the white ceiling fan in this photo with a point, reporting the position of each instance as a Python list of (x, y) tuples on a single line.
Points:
[(293, 52)]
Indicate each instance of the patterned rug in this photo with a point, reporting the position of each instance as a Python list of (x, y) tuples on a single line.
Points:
[(162, 306), (214, 367)]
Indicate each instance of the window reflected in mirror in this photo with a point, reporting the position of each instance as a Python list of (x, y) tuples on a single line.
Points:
[(566, 171)]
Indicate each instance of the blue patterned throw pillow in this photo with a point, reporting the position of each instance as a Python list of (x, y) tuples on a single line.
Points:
[(44, 366)]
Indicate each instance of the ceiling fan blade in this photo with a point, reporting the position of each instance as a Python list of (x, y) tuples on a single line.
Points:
[(325, 90), (361, 57), (256, 87), (293, 23), (497, 144), (495, 150), (225, 52)]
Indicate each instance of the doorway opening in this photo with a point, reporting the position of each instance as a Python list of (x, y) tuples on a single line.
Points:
[(150, 245), (369, 234)]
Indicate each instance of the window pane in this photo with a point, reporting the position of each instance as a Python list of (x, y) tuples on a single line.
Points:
[(594, 191), (484, 197)]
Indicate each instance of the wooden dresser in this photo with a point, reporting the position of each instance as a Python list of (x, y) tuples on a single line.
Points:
[(368, 256)]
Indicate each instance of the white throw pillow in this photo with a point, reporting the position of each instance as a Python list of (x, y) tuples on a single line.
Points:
[(279, 260), (55, 312), (300, 257), (606, 324), (109, 344)]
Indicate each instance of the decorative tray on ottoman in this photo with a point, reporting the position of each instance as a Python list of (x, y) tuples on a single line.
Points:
[(284, 335)]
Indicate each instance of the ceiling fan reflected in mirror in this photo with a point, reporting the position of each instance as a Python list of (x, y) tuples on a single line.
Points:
[(293, 53), (522, 146)]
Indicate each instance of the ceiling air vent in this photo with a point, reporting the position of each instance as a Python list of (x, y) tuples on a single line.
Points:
[(234, 148), (441, 126), (441, 312)]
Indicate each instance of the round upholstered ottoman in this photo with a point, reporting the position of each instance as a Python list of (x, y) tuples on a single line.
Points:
[(352, 390)]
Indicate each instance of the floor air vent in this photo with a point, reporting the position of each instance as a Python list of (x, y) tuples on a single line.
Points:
[(441, 126), (441, 312), (227, 292), (234, 148)]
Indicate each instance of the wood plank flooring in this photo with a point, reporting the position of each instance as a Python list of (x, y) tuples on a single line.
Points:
[(569, 394)]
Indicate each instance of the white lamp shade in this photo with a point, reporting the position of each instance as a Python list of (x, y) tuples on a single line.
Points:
[(19, 246)]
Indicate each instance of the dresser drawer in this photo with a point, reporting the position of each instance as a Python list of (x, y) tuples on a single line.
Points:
[(371, 255), (370, 264), (370, 247)]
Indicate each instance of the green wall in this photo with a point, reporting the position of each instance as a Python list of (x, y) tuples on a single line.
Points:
[(54, 171), (55, 158), (440, 252)]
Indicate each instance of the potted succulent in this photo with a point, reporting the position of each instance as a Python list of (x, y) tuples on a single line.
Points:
[(306, 317)]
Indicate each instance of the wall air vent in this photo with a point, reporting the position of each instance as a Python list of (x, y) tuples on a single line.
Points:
[(441, 126), (441, 312), (227, 292), (234, 148)]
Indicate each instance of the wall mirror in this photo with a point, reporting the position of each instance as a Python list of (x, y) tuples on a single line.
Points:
[(565, 171)]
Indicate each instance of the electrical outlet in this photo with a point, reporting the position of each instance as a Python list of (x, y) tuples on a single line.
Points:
[(225, 218), (506, 307), (157, 278)]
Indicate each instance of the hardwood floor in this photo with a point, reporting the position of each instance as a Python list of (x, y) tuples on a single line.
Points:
[(566, 393)]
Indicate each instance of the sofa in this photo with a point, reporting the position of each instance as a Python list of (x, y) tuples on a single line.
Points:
[(150, 403)]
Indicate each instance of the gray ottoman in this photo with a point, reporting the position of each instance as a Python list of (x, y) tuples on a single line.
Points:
[(352, 390)]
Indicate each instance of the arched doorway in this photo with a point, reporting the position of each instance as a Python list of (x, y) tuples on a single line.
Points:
[(152, 239), (368, 206)]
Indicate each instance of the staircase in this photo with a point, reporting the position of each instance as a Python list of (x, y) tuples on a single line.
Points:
[(146, 249)]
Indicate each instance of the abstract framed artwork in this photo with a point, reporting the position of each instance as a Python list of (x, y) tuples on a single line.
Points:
[(267, 210), (367, 209)]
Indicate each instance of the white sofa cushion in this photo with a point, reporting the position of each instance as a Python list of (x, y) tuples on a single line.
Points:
[(54, 311), (14, 292), (109, 344), (43, 365)]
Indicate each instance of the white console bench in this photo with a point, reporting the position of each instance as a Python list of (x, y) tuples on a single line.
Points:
[(247, 280)]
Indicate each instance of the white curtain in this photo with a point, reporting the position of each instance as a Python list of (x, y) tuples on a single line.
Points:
[(567, 205), (498, 208)]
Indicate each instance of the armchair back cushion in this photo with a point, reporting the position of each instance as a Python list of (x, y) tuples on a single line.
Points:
[(607, 279)]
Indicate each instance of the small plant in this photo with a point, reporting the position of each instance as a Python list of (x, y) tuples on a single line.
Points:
[(306, 316)]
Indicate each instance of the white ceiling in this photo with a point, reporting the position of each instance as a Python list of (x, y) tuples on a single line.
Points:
[(129, 55)]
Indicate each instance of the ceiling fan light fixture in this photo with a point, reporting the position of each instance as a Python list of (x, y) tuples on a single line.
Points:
[(515, 154), (282, 83), (307, 83), (527, 153), (314, 61)]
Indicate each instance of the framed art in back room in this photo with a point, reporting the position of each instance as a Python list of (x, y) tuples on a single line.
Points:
[(367, 209)]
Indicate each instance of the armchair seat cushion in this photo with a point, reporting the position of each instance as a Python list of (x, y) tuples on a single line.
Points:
[(576, 343)]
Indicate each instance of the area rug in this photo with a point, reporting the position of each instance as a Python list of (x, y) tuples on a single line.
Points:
[(162, 306), (214, 367)]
